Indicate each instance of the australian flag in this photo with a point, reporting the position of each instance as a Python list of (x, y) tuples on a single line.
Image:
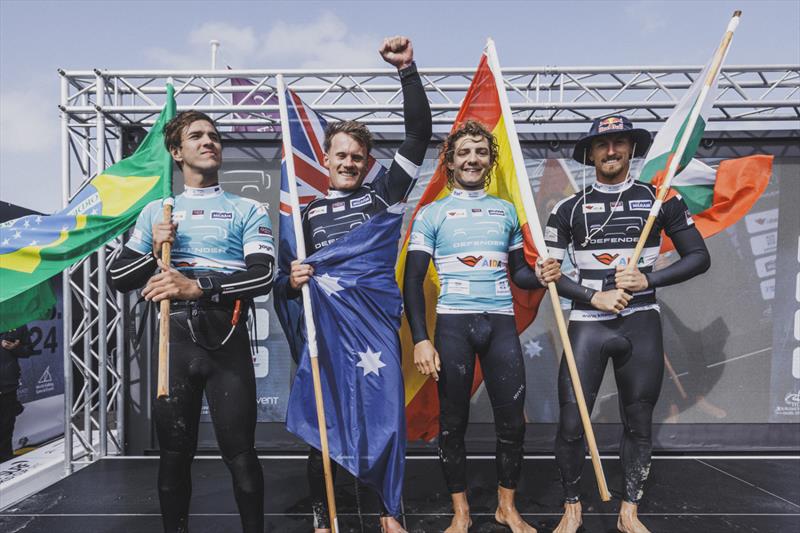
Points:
[(357, 306)]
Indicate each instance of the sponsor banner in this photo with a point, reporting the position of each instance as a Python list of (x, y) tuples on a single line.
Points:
[(785, 363)]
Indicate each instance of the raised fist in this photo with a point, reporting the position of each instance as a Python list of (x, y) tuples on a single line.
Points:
[(397, 51)]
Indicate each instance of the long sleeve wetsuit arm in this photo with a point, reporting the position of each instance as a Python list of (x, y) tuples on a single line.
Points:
[(694, 260), (417, 263), (521, 272)]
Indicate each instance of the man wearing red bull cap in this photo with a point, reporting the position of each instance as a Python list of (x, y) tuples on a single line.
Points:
[(615, 314)]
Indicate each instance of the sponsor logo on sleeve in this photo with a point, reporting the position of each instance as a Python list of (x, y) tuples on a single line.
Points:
[(263, 230), (338, 206), (321, 210), (198, 213), (177, 216), (550, 234), (363, 200), (221, 215), (496, 212), (689, 219), (456, 213), (594, 208), (640, 205)]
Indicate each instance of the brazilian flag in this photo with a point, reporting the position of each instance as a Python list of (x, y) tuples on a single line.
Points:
[(35, 248)]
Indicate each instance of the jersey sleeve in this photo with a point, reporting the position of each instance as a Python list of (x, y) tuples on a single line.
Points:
[(558, 233), (141, 240), (675, 215), (257, 235), (515, 241), (423, 232)]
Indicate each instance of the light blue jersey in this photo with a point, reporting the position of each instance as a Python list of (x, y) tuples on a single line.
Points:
[(469, 235), (216, 231)]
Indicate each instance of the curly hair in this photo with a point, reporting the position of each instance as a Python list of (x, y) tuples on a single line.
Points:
[(356, 130), (471, 128)]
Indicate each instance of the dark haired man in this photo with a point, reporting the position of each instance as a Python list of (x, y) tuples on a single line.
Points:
[(475, 241), (615, 314), (222, 257)]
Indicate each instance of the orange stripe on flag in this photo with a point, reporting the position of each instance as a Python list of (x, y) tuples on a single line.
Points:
[(739, 184)]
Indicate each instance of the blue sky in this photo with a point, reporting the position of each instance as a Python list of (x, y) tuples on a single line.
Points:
[(36, 38)]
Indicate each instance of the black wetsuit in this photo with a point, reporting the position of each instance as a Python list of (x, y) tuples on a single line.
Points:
[(475, 242), (329, 218), (615, 215), (228, 239)]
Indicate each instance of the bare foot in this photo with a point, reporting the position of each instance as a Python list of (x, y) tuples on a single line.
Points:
[(461, 521), (628, 521), (507, 514), (572, 519), (459, 524), (512, 520), (389, 524)]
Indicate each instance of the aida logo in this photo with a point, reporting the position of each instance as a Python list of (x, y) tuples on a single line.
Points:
[(470, 260), (606, 258), (610, 124)]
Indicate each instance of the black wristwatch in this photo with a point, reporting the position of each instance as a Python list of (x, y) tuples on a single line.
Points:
[(209, 287)]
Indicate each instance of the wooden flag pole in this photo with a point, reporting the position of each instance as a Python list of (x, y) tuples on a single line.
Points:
[(538, 240), (163, 328), (311, 330), (672, 169)]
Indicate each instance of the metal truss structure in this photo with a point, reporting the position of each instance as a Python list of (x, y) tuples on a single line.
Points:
[(96, 106)]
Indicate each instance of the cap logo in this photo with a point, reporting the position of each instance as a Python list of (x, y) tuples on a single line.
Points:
[(610, 124)]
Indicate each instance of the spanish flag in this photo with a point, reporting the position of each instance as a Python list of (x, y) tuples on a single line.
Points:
[(483, 104), (34, 248)]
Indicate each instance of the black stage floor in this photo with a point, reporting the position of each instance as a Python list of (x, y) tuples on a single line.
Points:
[(702, 495)]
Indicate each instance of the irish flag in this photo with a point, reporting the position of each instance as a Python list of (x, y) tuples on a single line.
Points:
[(481, 103), (717, 198)]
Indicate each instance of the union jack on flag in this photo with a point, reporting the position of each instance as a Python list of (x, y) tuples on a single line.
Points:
[(308, 135)]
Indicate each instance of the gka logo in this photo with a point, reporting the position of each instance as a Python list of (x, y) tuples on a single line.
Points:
[(792, 399)]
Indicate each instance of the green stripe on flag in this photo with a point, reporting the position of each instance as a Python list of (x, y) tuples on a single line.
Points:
[(34, 304)]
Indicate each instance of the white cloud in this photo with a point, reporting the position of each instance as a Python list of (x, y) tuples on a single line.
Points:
[(28, 122), (29, 148), (325, 42)]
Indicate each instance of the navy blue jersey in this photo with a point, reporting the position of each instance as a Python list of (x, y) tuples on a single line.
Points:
[(600, 230)]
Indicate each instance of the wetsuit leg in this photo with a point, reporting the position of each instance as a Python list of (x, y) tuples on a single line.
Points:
[(231, 393), (504, 375), (176, 418), (457, 357), (639, 377), (587, 340)]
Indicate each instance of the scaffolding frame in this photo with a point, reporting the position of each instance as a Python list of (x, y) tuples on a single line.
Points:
[(96, 105)]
